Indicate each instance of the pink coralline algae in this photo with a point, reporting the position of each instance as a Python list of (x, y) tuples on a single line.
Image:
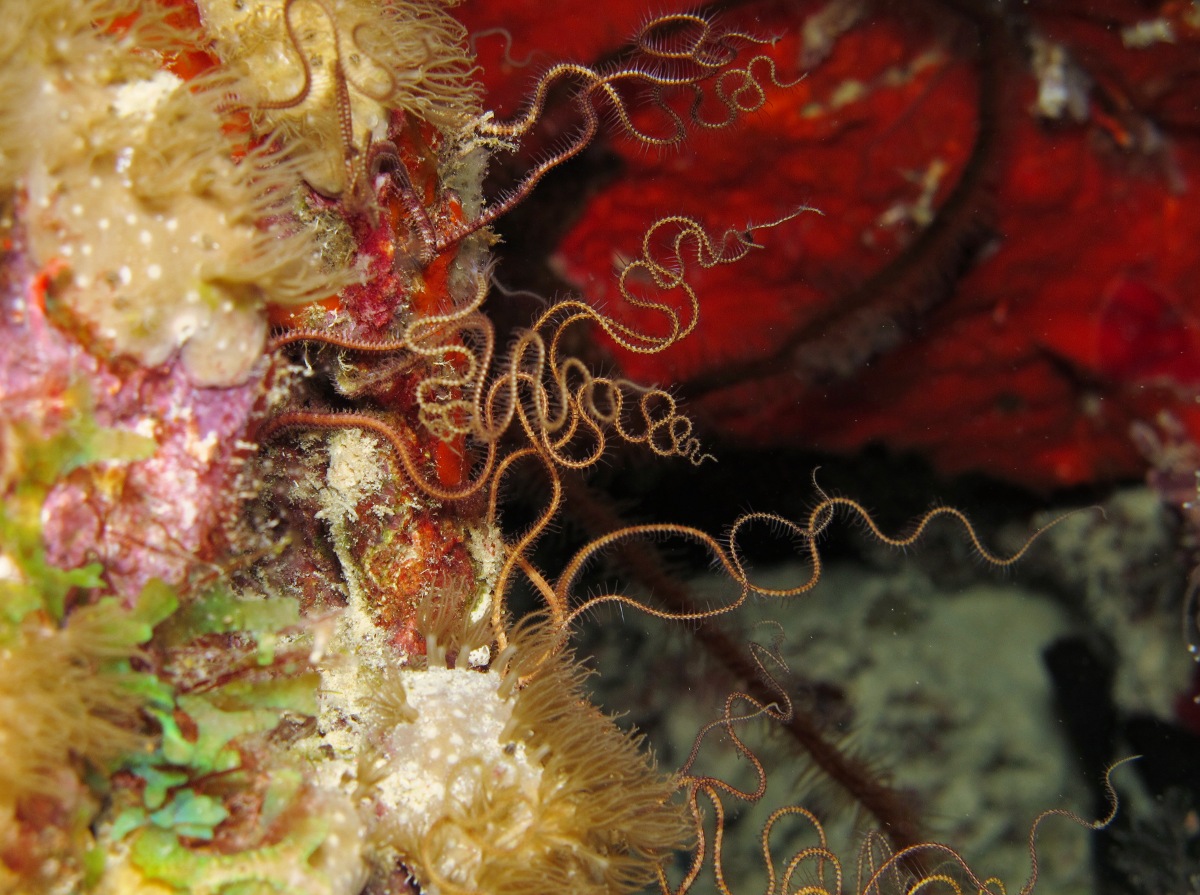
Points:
[(150, 518)]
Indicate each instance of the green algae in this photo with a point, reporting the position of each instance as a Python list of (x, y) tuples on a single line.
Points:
[(286, 866), (41, 460)]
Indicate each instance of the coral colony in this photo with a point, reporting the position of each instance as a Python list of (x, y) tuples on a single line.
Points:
[(255, 433)]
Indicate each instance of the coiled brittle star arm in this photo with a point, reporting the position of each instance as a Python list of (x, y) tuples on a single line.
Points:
[(672, 52), (311, 419)]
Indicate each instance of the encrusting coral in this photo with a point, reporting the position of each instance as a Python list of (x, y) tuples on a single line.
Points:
[(256, 632), (167, 231)]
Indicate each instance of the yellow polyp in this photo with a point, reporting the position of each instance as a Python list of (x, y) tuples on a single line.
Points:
[(477, 786), (63, 706), (171, 234), (321, 67)]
